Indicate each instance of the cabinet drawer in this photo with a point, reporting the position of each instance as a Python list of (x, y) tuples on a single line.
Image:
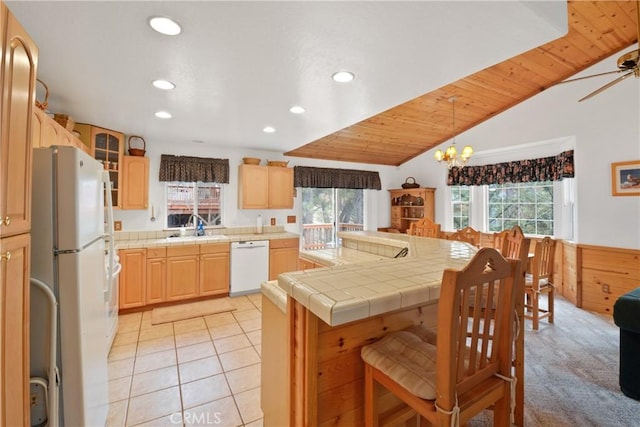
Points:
[(283, 243), (183, 250), (213, 248), (156, 252)]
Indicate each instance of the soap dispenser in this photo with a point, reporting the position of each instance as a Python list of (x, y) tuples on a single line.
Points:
[(200, 228)]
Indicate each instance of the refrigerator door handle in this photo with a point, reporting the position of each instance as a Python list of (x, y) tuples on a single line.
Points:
[(107, 193)]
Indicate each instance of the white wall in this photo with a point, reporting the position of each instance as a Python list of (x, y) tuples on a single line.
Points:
[(605, 128)]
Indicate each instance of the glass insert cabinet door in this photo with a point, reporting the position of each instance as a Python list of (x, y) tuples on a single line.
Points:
[(108, 149), (326, 211)]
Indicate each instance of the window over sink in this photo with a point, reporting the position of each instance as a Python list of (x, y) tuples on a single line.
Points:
[(188, 199)]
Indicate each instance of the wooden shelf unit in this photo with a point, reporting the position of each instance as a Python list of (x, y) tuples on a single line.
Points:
[(411, 204)]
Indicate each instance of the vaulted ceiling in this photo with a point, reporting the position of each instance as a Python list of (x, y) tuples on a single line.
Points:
[(597, 30)]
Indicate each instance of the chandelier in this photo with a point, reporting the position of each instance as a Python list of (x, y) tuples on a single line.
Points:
[(450, 156)]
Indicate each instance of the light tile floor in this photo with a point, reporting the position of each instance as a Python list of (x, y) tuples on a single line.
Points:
[(198, 372)]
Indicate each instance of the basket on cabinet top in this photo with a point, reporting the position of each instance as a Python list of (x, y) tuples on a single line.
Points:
[(136, 151)]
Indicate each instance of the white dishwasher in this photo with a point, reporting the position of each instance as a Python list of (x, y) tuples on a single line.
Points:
[(249, 266)]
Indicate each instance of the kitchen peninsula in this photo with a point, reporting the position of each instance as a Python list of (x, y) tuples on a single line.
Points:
[(318, 320)]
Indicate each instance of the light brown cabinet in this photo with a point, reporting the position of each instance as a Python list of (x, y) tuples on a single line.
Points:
[(133, 278), (283, 256), (107, 147), (46, 132), (182, 272), (156, 280), (305, 264), (411, 204), (14, 306), (265, 187), (280, 187), (214, 269), (173, 273), (135, 182), (18, 73)]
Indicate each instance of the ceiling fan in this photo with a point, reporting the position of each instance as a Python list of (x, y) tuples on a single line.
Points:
[(629, 64)]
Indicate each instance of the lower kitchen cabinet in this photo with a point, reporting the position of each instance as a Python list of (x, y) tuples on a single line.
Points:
[(133, 277), (156, 275), (14, 330), (305, 264), (183, 267), (283, 257), (214, 269)]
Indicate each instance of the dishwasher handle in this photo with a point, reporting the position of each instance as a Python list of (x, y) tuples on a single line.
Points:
[(250, 244)]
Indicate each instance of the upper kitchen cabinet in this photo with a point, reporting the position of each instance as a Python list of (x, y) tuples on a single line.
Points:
[(46, 132), (107, 147), (19, 60), (265, 187), (135, 182)]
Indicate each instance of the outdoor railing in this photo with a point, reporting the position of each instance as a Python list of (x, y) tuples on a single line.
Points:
[(320, 236)]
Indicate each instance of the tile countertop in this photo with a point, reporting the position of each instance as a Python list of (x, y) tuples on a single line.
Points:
[(191, 240), (352, 291)]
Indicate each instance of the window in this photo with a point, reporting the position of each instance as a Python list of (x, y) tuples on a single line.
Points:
[(326, 211), (529, 205), (460, 204), (185, 199)]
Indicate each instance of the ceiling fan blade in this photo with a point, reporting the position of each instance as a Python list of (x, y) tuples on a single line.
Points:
[(592, 75), (607, 86)]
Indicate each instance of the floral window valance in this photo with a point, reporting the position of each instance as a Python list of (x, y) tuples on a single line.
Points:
[(193, 169), (553, 168), (335, 178)]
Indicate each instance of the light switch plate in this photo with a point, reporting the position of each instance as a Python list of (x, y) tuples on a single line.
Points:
[(117, 225), (291, 219)]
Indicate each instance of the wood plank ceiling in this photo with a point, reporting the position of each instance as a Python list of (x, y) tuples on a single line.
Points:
[(597, 29)]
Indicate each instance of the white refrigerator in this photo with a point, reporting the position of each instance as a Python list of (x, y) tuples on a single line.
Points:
[(68, 255)]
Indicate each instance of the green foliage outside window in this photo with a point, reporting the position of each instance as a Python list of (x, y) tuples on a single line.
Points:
[(529, 205)]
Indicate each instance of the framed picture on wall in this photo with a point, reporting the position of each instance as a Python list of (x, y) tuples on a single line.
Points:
[(625, 178)]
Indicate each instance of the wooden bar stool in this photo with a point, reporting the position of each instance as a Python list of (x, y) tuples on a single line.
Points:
[(449, 379)]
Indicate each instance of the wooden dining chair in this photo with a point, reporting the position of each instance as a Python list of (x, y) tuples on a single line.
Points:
[(424, 228), (539, 282), (467, 234), (449, 377), (516, 246), (498, 238)]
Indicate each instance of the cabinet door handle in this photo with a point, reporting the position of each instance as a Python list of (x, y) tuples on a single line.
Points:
[(6, 256), (7, 220)]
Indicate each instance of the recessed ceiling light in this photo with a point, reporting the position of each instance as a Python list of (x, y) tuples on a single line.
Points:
[(163, 114), (165, 25), (297, 109), (343, 76), (164, 84), (268, 129)]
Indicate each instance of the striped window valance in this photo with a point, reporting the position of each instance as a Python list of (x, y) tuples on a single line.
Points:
[(553, 168), (304, 176), (193, 169)]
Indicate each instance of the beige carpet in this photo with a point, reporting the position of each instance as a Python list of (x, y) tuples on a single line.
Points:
[(190, 310)]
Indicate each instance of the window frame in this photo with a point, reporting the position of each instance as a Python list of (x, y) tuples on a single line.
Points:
[(195, 187), (335, 212), (564, 208)]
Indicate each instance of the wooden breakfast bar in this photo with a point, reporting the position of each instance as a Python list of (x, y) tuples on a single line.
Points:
[(316, 322)]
